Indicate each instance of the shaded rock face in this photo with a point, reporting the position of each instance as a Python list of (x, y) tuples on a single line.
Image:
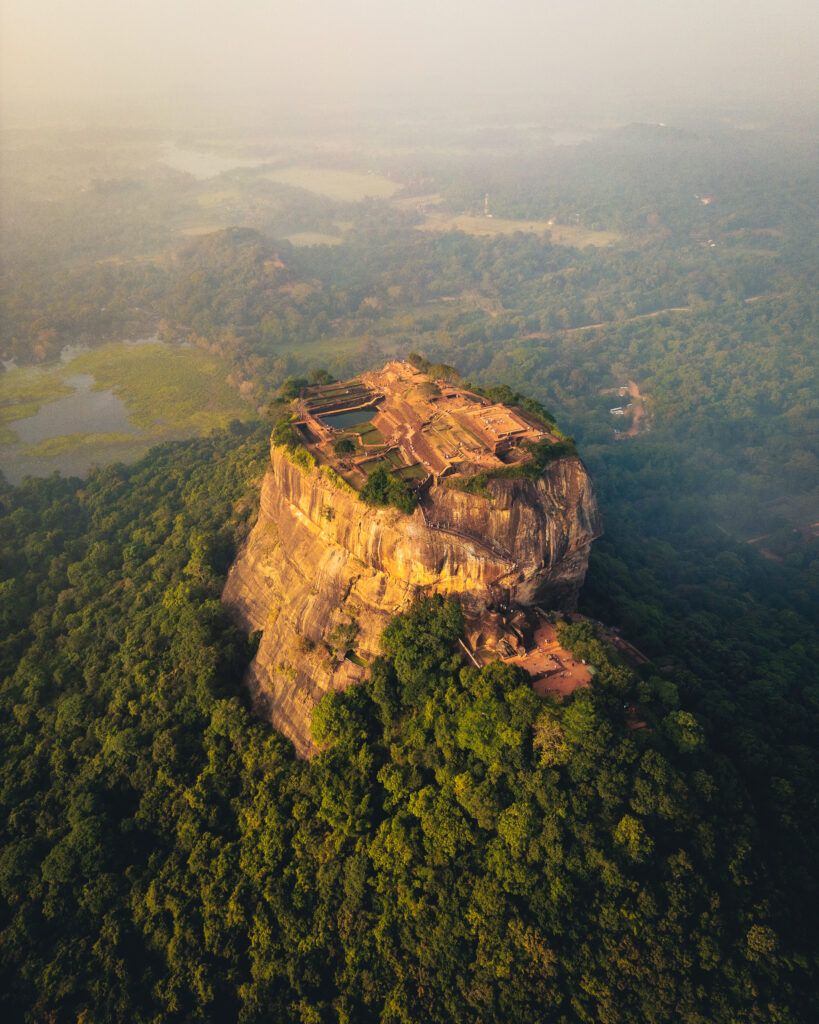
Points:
[(318, 559)]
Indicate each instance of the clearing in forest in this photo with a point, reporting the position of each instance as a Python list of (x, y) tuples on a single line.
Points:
[(554, 671), (343, 186), (572, 235)]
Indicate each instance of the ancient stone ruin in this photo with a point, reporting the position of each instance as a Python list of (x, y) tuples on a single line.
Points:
[(322, 573)]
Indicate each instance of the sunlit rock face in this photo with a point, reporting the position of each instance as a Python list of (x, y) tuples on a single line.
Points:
[(318, 558)]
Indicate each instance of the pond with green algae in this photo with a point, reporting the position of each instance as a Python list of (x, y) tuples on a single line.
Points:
[(109, 404)]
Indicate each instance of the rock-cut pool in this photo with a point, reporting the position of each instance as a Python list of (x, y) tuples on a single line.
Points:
[(351, 418)]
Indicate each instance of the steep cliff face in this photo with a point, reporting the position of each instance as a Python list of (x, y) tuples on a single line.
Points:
[(319, 559)]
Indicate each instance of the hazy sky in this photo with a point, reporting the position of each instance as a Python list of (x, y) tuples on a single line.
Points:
[(269, 53)]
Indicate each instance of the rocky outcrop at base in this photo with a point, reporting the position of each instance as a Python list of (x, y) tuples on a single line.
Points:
[(320, 567)]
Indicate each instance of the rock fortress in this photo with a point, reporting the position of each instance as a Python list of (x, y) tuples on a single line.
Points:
[(322, 572)]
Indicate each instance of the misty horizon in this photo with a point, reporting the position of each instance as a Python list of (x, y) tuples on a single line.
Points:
[(199, 64)]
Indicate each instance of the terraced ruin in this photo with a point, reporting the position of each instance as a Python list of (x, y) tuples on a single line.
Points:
[(419, 429), (323, 571)]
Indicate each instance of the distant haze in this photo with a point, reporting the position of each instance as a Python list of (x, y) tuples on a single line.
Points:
[(184, 58)]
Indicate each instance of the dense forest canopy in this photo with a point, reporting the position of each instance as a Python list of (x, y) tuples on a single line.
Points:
[(460, 850)]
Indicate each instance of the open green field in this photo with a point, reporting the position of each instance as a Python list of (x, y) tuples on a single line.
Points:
[(305, 238), (343, 186), (169, 391), (486, 227), (70, 444), (413, 202)]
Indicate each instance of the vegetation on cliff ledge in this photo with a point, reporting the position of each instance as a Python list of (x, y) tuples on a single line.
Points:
[(285, 437), (541, 455), (460, 851), (382, 489)]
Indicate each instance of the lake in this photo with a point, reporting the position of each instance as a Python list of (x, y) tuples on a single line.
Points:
[(202, 164), (85, 411), (110, 404)]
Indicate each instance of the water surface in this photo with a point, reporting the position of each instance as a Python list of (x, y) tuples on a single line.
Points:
[(84, 411), (204, 165), (351, 418)]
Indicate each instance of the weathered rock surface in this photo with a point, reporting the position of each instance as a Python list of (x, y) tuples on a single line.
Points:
[(318, 557)]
